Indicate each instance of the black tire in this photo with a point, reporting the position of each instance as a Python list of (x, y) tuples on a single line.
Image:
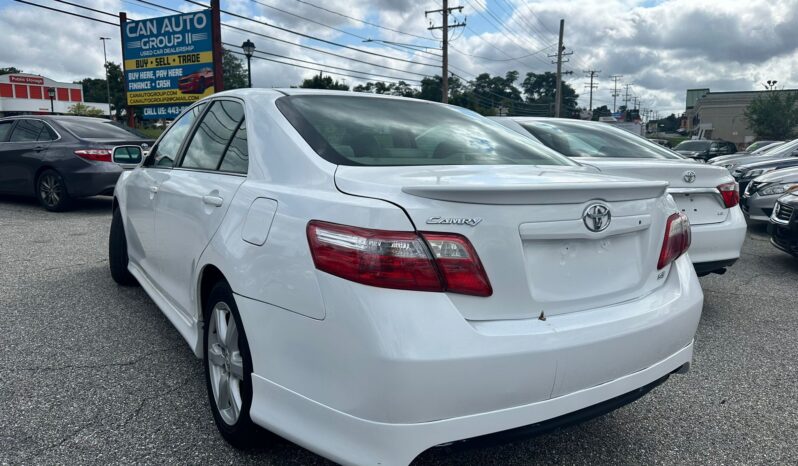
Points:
[(51, 191), (243, 433), (117, 252)]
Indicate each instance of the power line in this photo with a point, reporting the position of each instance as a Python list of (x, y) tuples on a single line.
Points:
[(326, 52), (86, 8), (67, 12), (321, 64), (318, 39), (499, 26), (364, 21), (501, 59)]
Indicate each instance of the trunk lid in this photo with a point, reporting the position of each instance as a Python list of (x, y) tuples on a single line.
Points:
[(526, 224), (698, 199)]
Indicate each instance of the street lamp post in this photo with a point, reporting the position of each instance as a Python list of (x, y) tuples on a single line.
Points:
[(107, 81), (51, 95), (249, 50)]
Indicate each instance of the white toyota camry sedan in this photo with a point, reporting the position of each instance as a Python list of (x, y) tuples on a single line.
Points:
[(374, 276), (707, 194)]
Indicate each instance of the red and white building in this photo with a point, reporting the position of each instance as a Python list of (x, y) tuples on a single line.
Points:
[(26, 94)]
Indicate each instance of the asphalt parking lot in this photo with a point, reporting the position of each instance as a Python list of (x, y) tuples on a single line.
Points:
[(93, 373)]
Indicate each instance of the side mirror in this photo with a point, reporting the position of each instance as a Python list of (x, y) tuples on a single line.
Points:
[(127, 156)]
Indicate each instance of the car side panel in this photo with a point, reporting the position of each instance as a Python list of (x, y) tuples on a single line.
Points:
[(281, 271)]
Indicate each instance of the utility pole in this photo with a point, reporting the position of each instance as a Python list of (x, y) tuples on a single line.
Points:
[(107, 80), (615, 94), (592, 74), (560, 53), (626, 97), (634, 102), (445, 46)]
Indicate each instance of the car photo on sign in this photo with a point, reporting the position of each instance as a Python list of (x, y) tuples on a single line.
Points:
[(196, 82)]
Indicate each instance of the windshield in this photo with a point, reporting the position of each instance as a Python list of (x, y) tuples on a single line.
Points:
[(693, 145), (98, 129), (767, 148), (361, 130), (784, 150), (595, 140)]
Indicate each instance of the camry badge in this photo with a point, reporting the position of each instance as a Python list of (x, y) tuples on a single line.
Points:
[(597, 217), (472, 222), (688, 176)]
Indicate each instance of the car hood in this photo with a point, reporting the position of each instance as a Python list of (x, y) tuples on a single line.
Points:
[(784, 161), (731, 158), (672, 171)]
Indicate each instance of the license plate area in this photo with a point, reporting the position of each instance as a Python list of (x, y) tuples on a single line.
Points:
[(701, 208)]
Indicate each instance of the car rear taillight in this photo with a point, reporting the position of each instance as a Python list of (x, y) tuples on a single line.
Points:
[(97, 155), (398, 259), (730, 193), (677, 239)]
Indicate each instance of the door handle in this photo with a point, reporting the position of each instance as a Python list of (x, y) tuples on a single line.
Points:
[(215, 201), (39, 148)]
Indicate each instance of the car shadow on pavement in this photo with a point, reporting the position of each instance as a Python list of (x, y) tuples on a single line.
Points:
[(88, 204)]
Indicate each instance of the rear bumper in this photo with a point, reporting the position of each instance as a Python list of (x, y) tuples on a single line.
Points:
[(388, 374), (350, 440), (718, 242), (93, 179)]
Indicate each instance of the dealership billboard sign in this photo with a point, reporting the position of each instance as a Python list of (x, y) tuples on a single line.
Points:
[(168, 61)]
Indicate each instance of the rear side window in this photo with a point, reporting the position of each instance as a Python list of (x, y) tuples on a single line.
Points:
[(30, 130), (236, 159), (213, 136), (369, 131), (5, 129), (87, 128)]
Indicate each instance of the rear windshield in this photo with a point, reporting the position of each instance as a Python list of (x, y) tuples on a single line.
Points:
[(99, 129), (693, 145), (368, 131), (595, 140)]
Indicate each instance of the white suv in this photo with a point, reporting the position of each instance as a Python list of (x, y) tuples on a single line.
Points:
[(374, 276)]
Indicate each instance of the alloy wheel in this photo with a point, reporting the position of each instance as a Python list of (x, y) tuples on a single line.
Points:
[(225, 363), (51, 190)]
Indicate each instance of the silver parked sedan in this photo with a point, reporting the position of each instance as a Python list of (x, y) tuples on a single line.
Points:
[(760, 195)]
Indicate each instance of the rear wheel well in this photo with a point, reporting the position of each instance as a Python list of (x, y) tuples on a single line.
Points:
[(38, 173), (210, 277)]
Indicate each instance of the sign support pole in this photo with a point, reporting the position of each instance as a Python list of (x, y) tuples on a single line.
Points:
[(131, 121), (216, 30)]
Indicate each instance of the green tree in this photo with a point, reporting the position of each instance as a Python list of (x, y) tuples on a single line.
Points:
[(773, 115), (94, 89), (541, 89), (10, 70), (323, 82), (234, 71), (84, 110), (602, 111)]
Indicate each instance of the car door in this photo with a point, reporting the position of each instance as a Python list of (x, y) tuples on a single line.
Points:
[(5, 153), (193, 200), (22, 155), (141, 192)]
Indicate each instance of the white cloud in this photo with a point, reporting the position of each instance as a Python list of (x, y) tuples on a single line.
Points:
[(661, 50)]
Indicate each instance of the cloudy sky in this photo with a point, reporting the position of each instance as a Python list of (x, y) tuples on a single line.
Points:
[(661, 48)]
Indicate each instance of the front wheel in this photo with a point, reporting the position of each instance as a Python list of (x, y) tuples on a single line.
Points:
[(117, 252), (51, 191), (228, 368)]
